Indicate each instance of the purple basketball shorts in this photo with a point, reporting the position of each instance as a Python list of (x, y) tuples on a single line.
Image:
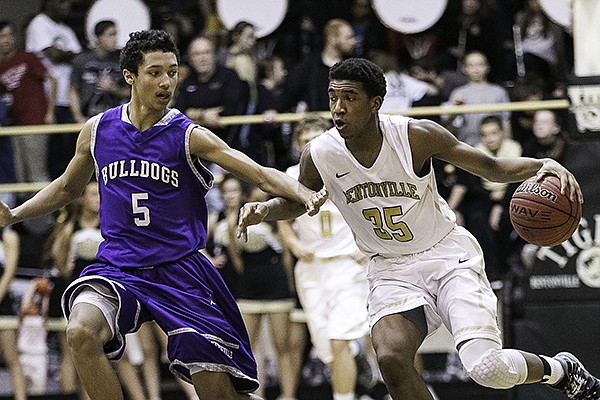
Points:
[(191, 303)]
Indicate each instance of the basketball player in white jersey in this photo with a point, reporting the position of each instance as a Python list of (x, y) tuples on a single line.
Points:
[(425, 270), (331, 278)]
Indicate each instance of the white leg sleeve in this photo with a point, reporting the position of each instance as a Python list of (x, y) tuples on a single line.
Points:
[(491, 366)]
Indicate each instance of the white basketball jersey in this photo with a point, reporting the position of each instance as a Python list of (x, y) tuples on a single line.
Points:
[(327, 232), (390, 209)]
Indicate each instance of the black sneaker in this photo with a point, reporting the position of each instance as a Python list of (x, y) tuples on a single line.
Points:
[(578, 383)]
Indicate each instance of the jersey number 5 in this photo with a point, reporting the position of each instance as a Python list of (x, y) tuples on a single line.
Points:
[(387, 223), (144, 220)]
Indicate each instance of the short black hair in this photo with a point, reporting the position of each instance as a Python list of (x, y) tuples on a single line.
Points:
[(4, 23), (237, 30), (103, 26), (360, 70), (491, 119), (142, 42)]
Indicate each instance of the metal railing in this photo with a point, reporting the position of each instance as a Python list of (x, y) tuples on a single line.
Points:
[(286, 117)]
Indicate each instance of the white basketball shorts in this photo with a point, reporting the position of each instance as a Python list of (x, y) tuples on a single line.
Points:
[(333, 293), (448, 279)]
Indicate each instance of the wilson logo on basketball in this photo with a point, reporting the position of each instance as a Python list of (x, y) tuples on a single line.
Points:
[(535, 188), (541, 214)]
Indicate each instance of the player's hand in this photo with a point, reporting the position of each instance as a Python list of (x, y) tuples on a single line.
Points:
[(250, 214), (6, 215), (314, 203), (568, 183)]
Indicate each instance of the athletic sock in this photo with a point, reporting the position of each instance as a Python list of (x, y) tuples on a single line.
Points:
[(345, 396), (553, 370)]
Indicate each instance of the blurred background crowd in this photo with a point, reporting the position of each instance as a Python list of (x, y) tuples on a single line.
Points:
[(479, 51)]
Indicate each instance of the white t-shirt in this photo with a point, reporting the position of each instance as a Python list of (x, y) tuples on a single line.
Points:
[(402, 90), (44, 32)]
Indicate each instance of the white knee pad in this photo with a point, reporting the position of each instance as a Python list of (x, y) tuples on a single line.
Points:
[(493, 367)]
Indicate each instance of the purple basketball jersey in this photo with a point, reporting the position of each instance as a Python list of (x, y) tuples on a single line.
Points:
[(152, 207)]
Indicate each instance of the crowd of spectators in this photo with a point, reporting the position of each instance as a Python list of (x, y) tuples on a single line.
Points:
[(468, 57), (425, 66)]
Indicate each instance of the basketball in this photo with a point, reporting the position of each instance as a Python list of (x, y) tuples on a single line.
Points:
[(541, 214)]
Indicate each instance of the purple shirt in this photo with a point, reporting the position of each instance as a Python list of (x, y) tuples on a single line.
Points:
[(152, 206)]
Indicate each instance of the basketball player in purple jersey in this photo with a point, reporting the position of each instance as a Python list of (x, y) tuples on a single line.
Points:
[(153, 219), (425, 270)]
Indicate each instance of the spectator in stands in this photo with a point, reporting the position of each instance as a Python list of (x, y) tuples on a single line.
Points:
[(402, 89), (96, 80), (211, 91), (298, 35), (214, 29), (56, 44), (240, 55), (549, 139), (477, 91), (426, 70), (369, 32), (306, 81), (233, 192), (270, 143), (22, 79), (544, 46), (478, 25), (9, 258), (527, 88)]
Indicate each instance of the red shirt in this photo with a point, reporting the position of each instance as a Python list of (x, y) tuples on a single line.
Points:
[(22, 76)]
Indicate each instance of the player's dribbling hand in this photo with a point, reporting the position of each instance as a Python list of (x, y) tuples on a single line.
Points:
[(250, 214), (315, 202), (5, 214), (568, 183)]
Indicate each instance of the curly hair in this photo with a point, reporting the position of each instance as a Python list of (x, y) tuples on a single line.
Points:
[(142, 42), (360, 70)]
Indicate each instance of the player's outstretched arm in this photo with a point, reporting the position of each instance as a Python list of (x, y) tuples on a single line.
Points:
[(208, 146), (275, 209), (429, 139), (62, 190), (279, 208)]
